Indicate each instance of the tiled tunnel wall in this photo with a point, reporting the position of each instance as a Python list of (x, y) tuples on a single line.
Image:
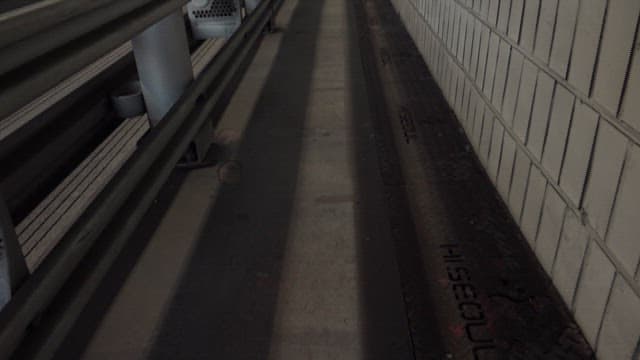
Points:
[(548, 92)]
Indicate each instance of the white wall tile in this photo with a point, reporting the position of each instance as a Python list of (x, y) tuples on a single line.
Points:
[(563, 36), (551, 220), (624, 236), (529, 24), (513, 84), (478, 123), (615, 52), (571, 252), (469, 42), (519, 184), (475, 49), (482, 56), (561, 113), (493, 11), (630, 112), (621, 325), (496, 150), (502, 67), (533, 205), (504, 11), (487, 134), (593, 291), (545, 87), (585, 46), (581, 140), (524, 104), (602, 185), (506, 166), (546, 26), (492, 59), (515, 19)]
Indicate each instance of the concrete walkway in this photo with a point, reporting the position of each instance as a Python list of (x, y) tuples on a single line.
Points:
[(283, 252), (349, 219)]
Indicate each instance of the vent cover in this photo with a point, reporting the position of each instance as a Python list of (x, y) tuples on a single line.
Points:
[(216, 9), (214, 18)]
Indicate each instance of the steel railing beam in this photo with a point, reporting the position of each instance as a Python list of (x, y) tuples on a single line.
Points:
[(31, 80), (25, 21), (13, 268), (146, 170), (36, 44)]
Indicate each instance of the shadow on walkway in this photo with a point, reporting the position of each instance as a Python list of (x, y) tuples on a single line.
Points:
[(225, 303)]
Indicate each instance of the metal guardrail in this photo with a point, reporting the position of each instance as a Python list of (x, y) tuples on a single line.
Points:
[(14, 267), (34, 18), (34, 76), (118, 209), (36, 44)]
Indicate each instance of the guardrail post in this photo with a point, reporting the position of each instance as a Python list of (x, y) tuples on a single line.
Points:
[(164, 64), (13, 268)]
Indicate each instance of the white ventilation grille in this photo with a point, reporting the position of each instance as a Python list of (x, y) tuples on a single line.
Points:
[(217, 9), (214, 18)]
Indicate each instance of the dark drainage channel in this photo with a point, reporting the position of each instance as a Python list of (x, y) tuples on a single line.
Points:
[(473, 288)]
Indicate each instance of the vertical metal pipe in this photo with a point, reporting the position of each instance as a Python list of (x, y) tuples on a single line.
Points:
[(13, 268), (164, 64)]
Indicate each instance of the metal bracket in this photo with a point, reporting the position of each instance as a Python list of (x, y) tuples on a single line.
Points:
[(13, 268)]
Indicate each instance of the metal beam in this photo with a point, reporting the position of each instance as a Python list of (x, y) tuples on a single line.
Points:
[(27, 20), (13, 269), (29, 48), (33, 79), (147, 169)]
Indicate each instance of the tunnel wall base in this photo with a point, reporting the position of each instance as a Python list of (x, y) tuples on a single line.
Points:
[(548, 95)]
